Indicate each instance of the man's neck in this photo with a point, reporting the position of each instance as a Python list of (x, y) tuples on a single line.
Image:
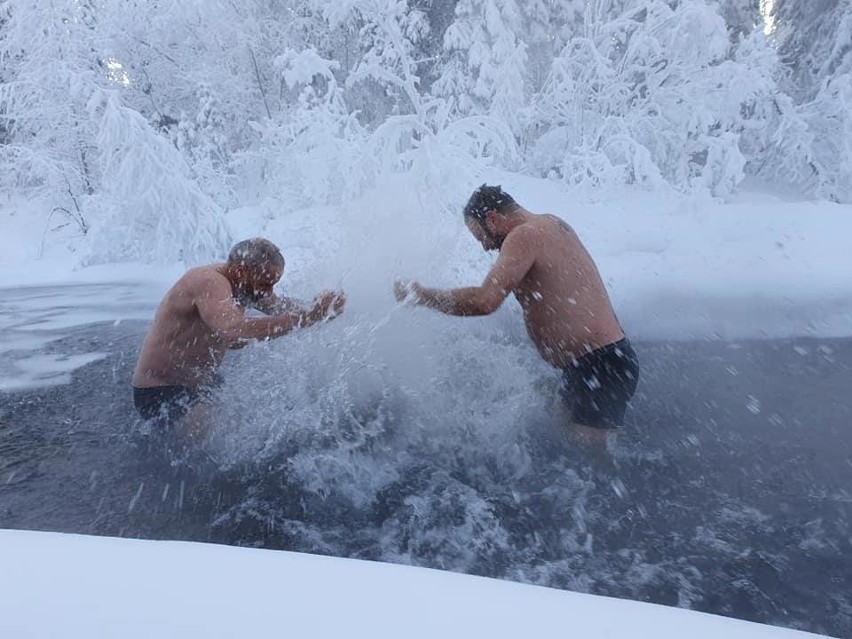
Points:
[(233, 279), (225, 271), (520, 216)]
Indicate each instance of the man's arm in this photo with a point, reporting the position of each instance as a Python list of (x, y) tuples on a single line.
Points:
[(274, 305), (516, 258), (216, 306)]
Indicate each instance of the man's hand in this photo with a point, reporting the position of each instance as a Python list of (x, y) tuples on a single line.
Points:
[(407, 291), (517, 257), (337, 305), (327, 305)]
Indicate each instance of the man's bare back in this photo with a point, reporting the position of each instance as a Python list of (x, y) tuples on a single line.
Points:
[(180, 348), (567, 311), (566, 307)]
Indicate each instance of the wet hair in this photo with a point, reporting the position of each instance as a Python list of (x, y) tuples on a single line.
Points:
[(257, 254), (488, 198)]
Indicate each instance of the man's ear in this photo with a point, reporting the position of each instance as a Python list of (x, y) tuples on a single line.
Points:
[(490, 219)]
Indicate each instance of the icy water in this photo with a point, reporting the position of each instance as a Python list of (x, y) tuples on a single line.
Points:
[(728, 493)]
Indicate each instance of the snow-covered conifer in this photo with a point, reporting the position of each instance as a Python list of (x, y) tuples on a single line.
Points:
[(151, 210)]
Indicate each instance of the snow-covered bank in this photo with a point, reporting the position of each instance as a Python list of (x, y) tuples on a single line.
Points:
[(74, 587)]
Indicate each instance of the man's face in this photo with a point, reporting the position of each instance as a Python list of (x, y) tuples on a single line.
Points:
[(258, 284), (489, 240)]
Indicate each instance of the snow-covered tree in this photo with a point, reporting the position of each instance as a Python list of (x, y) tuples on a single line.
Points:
[(829, 119), (485, 69), (812, 150), (307, 153), (813, 39), (550, 24), (389, 31), (416, 132), (654, 94), (197, 66), (150, 208), (49, 54), (741, 16), (204, 142)]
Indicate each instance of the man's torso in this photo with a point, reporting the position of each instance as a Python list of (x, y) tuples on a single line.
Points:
[(566, 307), (180, 349)]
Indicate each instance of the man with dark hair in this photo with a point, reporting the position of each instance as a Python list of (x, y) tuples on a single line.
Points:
[(202, 316), (256, 253), (566, 308)]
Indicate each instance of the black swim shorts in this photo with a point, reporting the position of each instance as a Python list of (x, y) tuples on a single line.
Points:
[(167, 404), (598, 385)]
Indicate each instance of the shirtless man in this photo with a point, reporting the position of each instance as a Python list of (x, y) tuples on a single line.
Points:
[(202, 316), (566, 308)]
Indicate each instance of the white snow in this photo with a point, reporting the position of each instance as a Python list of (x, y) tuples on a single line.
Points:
[(79, 587)]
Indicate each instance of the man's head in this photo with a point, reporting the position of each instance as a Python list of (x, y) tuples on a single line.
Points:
[(256, 265), (486, 214)]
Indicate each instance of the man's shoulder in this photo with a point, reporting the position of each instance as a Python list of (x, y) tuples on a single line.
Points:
[(525, 231), (204, 273), (547, 220), (538, 226), (202, 278)]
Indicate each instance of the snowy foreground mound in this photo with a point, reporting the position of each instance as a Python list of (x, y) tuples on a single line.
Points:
[(74, 586)]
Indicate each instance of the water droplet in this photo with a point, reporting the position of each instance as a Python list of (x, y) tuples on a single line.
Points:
[(753, 404)]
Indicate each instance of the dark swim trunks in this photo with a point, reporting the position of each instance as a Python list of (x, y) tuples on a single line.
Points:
[(167, 404), (598, 386)]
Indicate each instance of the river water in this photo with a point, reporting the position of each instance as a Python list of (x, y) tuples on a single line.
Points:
[(729, 491)]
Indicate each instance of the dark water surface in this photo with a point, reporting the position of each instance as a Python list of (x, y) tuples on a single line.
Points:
[(729, 492)]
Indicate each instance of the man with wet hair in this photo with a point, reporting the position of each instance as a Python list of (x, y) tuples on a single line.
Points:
[(201, 317), (256, 253), (566, 308)]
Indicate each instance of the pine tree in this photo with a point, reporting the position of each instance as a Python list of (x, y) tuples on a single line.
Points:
[(814, 40), (485, 69), (741, 16), (550, 24), (51, 67), (151, 208), (657, 94)]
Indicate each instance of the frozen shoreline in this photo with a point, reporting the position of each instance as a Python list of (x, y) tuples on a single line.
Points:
[(76, 586)]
